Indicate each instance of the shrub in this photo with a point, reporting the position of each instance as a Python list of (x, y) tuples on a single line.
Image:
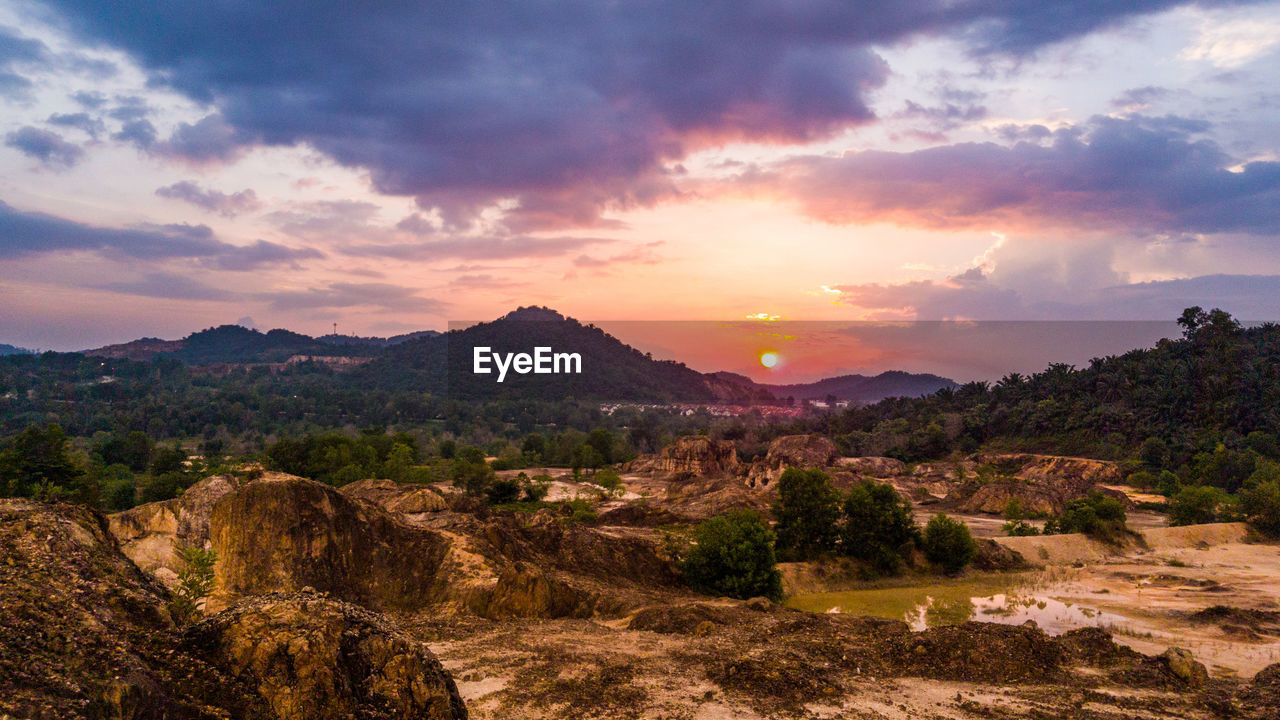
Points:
[(472, 477), (733, 556), (806, 511), (1195, 504), (535, 488), (1015, 525), (1261, 505), (610, 480), (878, 523), (1100, 516), (195, 582), (503, 491), (948, 544)]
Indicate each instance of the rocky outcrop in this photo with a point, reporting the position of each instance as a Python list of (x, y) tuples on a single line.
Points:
[(691, 454), (295, 533), (397, 497), (311, 656), (525, 591), (85, 634), (802, 451), (150, 534), (1042, 484), (874, 467)]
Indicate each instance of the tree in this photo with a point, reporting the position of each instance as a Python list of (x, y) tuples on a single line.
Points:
[(36, 463), (503, 490), (806, 512), (195, 582), (948, 544), (1195, 504), (1015, 525), (878, 523), (733, 555)]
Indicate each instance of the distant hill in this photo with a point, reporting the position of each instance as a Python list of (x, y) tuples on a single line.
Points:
[(611, 370), (863, 389), (236, 344), (12, 350)]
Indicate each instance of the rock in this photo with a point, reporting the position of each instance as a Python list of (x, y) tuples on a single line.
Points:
[(1183, 665), (802, 451), (397, 497), (875, 467), (1043, 484), (284, 535), (696, 455), (691, 619), (992, 555), (313, 657), (760, 604), (85, 634), (523, 591), (150, 534)]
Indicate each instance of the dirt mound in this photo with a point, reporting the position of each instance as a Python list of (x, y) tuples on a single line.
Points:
[(1044, 484), (992, 555), (641, 514), (85, 634), (679, 619), (315, 657), (149, 534), (981, 652), (803, 451), (295, 533), (696, 455)]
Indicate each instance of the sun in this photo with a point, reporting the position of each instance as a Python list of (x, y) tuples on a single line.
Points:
[(769, 359)]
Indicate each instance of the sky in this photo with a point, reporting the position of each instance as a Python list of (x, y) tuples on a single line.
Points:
[(393, 166)]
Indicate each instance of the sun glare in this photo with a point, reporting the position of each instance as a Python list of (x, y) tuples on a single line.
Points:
[(769, 359)]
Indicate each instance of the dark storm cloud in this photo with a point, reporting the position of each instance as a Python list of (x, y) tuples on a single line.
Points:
[(24, 234), (568, 107), (1140, 174), (225, 204), (46, 146)]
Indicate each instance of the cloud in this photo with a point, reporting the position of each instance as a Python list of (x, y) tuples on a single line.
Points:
[(89, 99), (139, 133), (476, 248), (566, 109), (343, 295), (1136, 174), (169, 286), (24, 234), (227, 205), (46, 146), (81, 121)]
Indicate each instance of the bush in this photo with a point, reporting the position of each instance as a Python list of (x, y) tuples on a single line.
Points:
[(878, 523), (1261, 505), (948, 544), (610, 480), (472, 477), (1015, 525), (503, 491), (1195, 504), (1100, 516), (535, 488), (806, 511), (733, 556)]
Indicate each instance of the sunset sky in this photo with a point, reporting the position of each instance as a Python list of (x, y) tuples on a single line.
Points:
[(392, 166)]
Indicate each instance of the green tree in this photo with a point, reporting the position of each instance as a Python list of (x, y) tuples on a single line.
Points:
[(610, 480), (806, 511), (1015, 525), (733, 556), (399, 462), (37, 462), (503, 490), (1195, 504), (878, 525), (948, 544)]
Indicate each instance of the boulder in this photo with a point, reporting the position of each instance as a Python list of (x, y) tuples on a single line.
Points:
[(1181, 664), (295, 533), (524, 591), (311, 656), (874, 467)]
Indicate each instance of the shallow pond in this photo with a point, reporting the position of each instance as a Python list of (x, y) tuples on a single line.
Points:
[(1009, 599)]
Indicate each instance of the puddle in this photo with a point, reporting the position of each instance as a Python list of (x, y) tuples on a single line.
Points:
[(1007, 599)]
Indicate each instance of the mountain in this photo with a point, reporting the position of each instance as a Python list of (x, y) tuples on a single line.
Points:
[(863, 390), (610, 369), (11, 350)]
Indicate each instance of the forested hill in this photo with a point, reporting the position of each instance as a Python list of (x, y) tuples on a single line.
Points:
[(610, 369), (865, 389), (235, 344), (1216, 390)]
